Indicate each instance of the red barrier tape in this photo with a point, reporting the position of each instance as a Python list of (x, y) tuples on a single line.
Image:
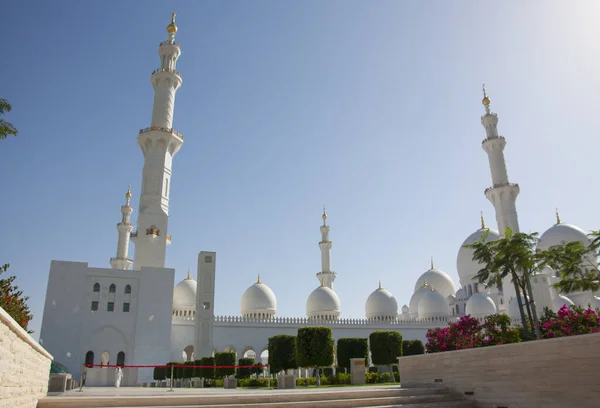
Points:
[(169, 366)]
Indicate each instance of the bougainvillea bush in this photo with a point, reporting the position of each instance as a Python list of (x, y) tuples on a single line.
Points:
[(468, 332), (569, 321)]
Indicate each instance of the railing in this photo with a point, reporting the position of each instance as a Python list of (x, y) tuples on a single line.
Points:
[(500, 185), (161, 129), (121, 259), (492, 138), (170, 43), (168, 238), (171, 71)]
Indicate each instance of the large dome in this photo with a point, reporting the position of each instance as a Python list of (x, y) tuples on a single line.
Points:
[(433, 304), (323, 303), (258, 301), (184, 294), (480, 305), (381, 305), (439, 279), (415, 299), (467, 268), (560, 234)]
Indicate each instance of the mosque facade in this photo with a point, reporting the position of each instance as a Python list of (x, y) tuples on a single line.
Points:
[(134, 314)]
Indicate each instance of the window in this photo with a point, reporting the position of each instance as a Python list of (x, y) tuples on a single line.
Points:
[(207, 259), (112, 288), (127, 289), (89, 357), (94, 306), (110, 307), (121, 359), (96, 287), (126, 307), (206, 305)]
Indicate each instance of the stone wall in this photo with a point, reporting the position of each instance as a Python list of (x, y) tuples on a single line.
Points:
[(553, 373), (24, 366)]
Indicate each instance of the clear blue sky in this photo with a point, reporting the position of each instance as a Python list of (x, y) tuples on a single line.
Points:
[(372, 108)]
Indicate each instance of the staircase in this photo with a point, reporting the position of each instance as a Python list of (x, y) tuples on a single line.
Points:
[(346, 397)]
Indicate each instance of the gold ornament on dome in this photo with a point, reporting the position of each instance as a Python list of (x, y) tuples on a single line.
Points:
[(172, 28), (152, 230), (486, 101)]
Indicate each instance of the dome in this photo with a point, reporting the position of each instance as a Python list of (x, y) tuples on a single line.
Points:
[(184, 294), (440, 281), (560, 234), (467, 268), (560, 301), (480, 305), (416, 298), (433, 304), (593, 302), (323, 302), (513, 308), (461, 294), (258, 300), (405, 309), (381, 304)]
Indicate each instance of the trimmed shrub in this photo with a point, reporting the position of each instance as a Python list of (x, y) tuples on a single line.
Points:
[(314, 347), (188, 372), (352, 348), (282, 353), (328, 371), (160, 373), (224, 359), (412, 347), (245, 372), (206, 373), (386, 347)]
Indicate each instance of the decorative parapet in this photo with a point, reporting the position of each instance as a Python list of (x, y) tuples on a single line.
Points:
[(171, 71), (492, 138), (161, 129), (169, 42), (500, 185)]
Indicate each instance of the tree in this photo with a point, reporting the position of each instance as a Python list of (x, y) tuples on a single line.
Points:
[(13, 301), (576, 265), (282, 353), (243, 372), (225, 362), (352, 348), (314, 348), (512, 255), (208, 371), (6, 128), (412, 347), (386, 347)]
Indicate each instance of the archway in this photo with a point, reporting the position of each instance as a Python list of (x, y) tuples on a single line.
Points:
[(188, 353), (249, 353), (105, 358)]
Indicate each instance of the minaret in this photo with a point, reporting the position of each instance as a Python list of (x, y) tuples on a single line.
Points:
[(159, 144), (502, 194), (326, 276), (124, 227)]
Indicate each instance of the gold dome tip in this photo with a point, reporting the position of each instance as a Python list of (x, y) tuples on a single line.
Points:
[(172, 28), (485, 101), (380, 287), (188, 277), (258, 280), (128, 194), (324, 216)]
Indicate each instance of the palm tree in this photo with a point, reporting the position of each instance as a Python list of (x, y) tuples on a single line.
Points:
[(512, 255), (6, 128)]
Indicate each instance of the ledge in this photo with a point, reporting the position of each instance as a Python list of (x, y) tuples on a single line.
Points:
[(19, 331)]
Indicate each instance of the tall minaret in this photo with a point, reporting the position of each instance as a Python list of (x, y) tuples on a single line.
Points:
[(159, 143), (124, 227), (502, 194), (326, 276)]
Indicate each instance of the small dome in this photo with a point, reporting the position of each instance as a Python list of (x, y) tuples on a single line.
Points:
[(467, 268), (593, 303), (323, 302), (461, 294), (480, 305), (258, 300), (451, 299), (560, 234), (513, 307), (184, 294), (560, 301), (439, 279), (381, 304), (416, 298), (405, 309), (433, 304)]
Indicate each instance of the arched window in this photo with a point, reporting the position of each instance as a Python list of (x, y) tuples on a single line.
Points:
[(121, 359), (89, 357), (112, 288), (127, 289), (96, 287)]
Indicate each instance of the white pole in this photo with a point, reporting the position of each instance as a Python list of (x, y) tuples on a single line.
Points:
[(171, 379)]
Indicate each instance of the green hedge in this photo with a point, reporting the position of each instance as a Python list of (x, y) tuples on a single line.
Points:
[(224, 359), (412, 347), (314, 347), (245, 372), (348, 348), (282, 353), (207, 373), (386, 347), (160, 373)]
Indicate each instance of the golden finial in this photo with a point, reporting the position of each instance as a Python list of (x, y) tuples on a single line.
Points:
[(431, 289), (172, 28), (322, 282), (486, 101), (380, 287), (557, 216), (324, 216), (432, 266), (188, 277), (425, 283), (258, 280), (128, 194)]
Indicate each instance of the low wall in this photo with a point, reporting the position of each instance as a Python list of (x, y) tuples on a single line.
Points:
[(553, 373), (24, 366)]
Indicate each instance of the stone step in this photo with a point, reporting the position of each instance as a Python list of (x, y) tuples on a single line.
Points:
[(322, 398)]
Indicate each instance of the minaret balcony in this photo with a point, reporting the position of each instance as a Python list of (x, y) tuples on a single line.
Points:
[(171, 71), (160, 129), (168, 240), (170, 42)]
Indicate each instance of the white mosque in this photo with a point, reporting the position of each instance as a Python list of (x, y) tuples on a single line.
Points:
[(133, 316)]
